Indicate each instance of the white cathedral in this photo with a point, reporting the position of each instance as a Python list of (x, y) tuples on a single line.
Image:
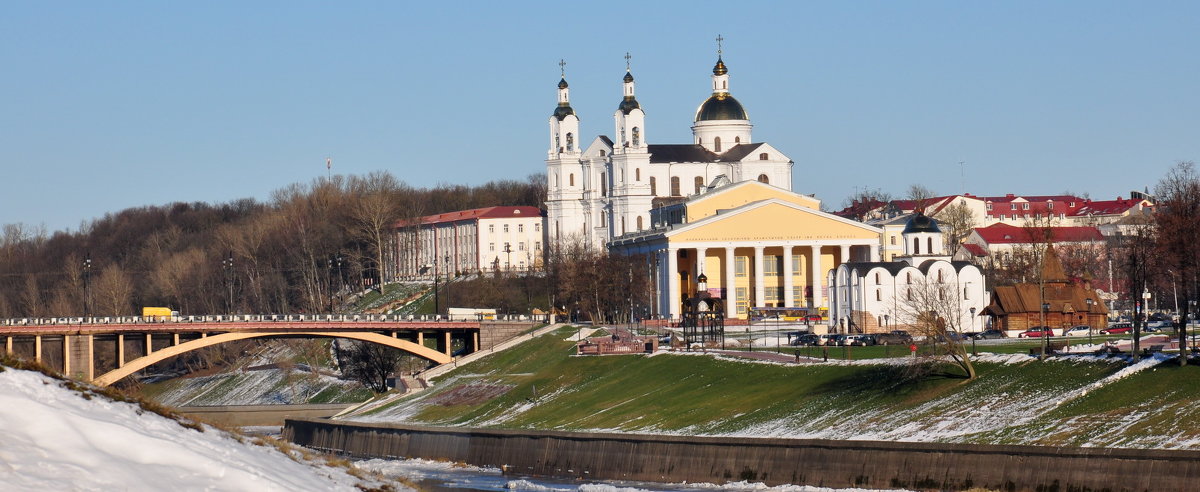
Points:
[(607, 190)]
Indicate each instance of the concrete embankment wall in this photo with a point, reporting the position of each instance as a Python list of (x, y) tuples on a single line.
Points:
[(869, 464), (243, 415)]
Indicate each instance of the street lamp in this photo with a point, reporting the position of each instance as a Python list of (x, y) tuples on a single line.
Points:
[(974, 335), (87, 285), (1089, 302), (1045, 328), (446, 264), (227, 264)]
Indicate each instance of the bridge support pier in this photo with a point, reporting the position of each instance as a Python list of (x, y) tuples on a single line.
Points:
[(446, 338), (79, 356), (149, 343), (420, 338), (474, 342), (37, 349), (8, 345), (120, 350)]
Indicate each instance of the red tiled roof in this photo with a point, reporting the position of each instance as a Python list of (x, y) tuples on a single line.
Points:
[(974, 249), (1009, 234), (477, 213), (1107, 207)]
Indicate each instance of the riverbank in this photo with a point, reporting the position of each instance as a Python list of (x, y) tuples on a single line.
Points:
[(825, 463)]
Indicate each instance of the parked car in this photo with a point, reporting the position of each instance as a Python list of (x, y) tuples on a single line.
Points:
[(1159, 325), (895, 337), (1078, 331), (1037, 332), (990, 335), (807, 339), (837, 339), (862, 340), (1117, 329)]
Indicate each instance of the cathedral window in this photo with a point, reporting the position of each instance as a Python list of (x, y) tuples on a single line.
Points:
[(653, 186), (601, 152), (737, 140), (762, 178), (699, 182), (717, 144), (639, 223), (763, 156), (557, 143), (674, 185), (637, 137), (572, 179), (916, 247), (637, 174), (929, 249), (603, 184), (622, 225), (570, 142), (557, 183)]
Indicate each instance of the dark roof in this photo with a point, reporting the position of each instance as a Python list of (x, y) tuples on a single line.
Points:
[(892, 267), (563, 110), (739, 152), (697, 153), (628, 104), (921, 223), (562, 83), (606, 140), (680, 153), (721, 106)]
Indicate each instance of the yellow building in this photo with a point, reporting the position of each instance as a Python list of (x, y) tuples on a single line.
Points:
[(757, 245)]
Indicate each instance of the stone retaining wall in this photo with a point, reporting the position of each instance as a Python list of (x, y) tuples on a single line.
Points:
[(868, 464)]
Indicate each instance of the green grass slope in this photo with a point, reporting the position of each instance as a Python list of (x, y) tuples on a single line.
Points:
[(1084, 401)]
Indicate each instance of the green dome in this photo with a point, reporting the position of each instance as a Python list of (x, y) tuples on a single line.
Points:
[(721, 107), (628, 104), (921, 223), (563, 110)]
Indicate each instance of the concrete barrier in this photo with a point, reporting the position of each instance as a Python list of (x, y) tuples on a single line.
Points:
[(264, 415), (868, 464)]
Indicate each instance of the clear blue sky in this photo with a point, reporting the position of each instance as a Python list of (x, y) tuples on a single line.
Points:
[(109, 105)]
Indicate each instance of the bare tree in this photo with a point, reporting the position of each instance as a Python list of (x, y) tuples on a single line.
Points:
[(1178, 237), (114, 291), (864, 202), (956, 222), (919, 194), (371, 364), (935, 310), (374, 213)]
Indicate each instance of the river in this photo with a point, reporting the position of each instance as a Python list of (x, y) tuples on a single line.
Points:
[(443, 476)]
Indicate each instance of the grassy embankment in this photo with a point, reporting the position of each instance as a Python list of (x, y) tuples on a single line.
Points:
[(1072, 402)]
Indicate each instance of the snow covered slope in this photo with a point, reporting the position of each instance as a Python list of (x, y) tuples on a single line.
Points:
[(57, 436)]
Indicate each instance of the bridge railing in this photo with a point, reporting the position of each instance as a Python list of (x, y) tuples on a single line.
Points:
[(243, 318)]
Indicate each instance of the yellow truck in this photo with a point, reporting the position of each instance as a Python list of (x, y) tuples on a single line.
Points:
[(158, 313)]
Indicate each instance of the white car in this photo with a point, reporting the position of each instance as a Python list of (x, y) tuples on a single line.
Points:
[(1078, 331)]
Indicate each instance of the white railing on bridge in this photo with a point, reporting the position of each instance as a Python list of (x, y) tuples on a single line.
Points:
[(239, 318)]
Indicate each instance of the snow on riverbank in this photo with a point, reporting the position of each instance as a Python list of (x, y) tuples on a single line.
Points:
[(57, 438)]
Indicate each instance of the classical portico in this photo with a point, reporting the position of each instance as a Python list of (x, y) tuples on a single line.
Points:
[(775, 251)]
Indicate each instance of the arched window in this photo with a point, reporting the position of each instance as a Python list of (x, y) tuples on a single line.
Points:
[(737, 140), (637, 137), (571, 179), (637, 174), (557, 142), (601, 152), (717, 144), (639, 222), (763, 157), (557, 181), (916, 246), (653, 186), (762, 178), (674, 185), (699, 182), (622, 175), (929, 249), (570, 142), (941, 276), (622, 225), (603, 184)]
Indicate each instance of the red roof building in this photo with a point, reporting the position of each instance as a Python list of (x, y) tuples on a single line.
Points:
[(467, 241)]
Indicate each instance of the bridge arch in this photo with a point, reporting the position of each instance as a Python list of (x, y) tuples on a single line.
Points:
[(154, 357)]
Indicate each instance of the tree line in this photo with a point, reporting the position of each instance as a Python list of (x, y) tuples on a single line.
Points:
[(292, 253)]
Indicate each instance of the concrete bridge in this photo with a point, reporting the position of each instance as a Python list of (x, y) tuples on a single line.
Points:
[(104, 350)]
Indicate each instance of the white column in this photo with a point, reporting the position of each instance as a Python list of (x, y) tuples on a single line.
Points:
[(787, 277), (874, 249), (730, 283), (759, 288), (817, 276), (673, 282), (845, 253)]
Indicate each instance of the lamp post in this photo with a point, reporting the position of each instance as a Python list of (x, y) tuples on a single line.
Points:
[(974, 335), (508, 250), (227, 264), (1089, 302), (87, 286), (1045, 328), (446, 265), (436, 307)]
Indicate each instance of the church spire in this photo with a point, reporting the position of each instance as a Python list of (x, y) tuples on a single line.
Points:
[(629, 102), (564, 94), (720, 76)]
